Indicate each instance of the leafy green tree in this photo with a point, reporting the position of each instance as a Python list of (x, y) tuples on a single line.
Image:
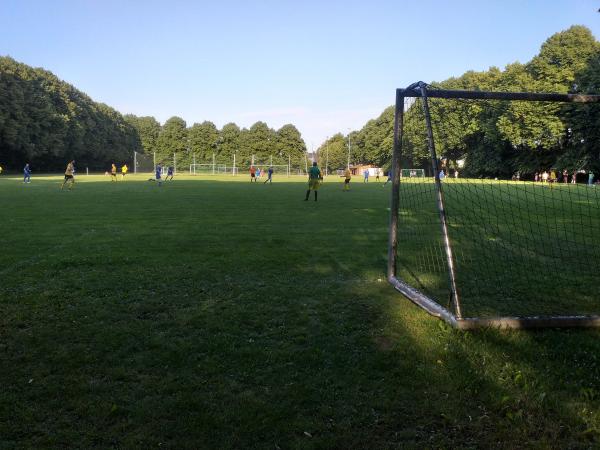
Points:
[(171, 140), (289, 142), (148, 130), (497, 138), (203, 140), (228, 144), (334, 153), (45, 121)]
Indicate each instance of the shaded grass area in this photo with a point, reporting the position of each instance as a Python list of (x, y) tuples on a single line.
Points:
[(218, 314)]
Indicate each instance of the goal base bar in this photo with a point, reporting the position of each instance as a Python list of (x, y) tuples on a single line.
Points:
[(473, 323)]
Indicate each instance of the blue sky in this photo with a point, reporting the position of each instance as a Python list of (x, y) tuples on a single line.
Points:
[(325, 66)]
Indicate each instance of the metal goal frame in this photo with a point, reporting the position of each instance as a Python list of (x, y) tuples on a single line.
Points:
[(453, 315)]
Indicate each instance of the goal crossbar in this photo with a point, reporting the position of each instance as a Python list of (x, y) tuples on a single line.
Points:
[(453, 315)]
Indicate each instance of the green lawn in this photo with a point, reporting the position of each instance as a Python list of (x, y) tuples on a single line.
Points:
[(520, 248), (212, 313)]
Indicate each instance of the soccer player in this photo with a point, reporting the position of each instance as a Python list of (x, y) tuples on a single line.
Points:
[(591, 178), (169, 173), (124, 170), (389, 178), (252, 174), (366, 174), (552, 178), (314, 180), (157, 174), (69, 175), (269, 175), (377, 174), (257, 173), (347, 178), (26, 174), (565, 176), (113, 172)]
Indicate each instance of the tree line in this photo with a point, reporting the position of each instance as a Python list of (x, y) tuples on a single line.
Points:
[(498, 138), (45, 121), (201, 141)]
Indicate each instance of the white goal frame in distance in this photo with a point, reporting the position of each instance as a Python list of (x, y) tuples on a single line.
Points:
[(421, 171), (453, 315), (212, 169), (279, 169)]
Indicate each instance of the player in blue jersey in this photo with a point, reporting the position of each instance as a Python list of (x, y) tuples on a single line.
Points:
[(26, 174), (158, 174), (169, 173), (269, 175)]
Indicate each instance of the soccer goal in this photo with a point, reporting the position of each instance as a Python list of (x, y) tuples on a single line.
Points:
[(143, 163), (489, 252), (412, 173), (278, 169), (210, 169)]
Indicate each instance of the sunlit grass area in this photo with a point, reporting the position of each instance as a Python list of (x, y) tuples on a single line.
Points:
[(212, 313), (519, 248)]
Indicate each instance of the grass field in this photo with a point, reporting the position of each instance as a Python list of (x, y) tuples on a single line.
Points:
[(213, 313), (520, 248)]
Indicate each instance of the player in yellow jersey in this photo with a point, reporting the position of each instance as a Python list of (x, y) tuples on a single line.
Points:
[(69, 178), (113, 172), (347, 178), (124, 171), (553, 178)]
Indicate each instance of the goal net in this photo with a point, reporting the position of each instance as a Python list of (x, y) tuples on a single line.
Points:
[(412, 173), (209, 169), (143, 163), (493, 249)]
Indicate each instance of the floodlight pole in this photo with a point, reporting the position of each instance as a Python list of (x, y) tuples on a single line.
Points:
[(213, 168), (154, 160), (348, 166), (174, 164), (194, 159), (135, 162), (289, 165), (440, 204), (233, 169), (306, 161), (327, 157)]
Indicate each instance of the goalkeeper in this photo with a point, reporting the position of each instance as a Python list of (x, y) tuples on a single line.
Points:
[(314, 180)]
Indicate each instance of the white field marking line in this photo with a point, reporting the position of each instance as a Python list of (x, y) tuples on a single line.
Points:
[(41, 256)]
